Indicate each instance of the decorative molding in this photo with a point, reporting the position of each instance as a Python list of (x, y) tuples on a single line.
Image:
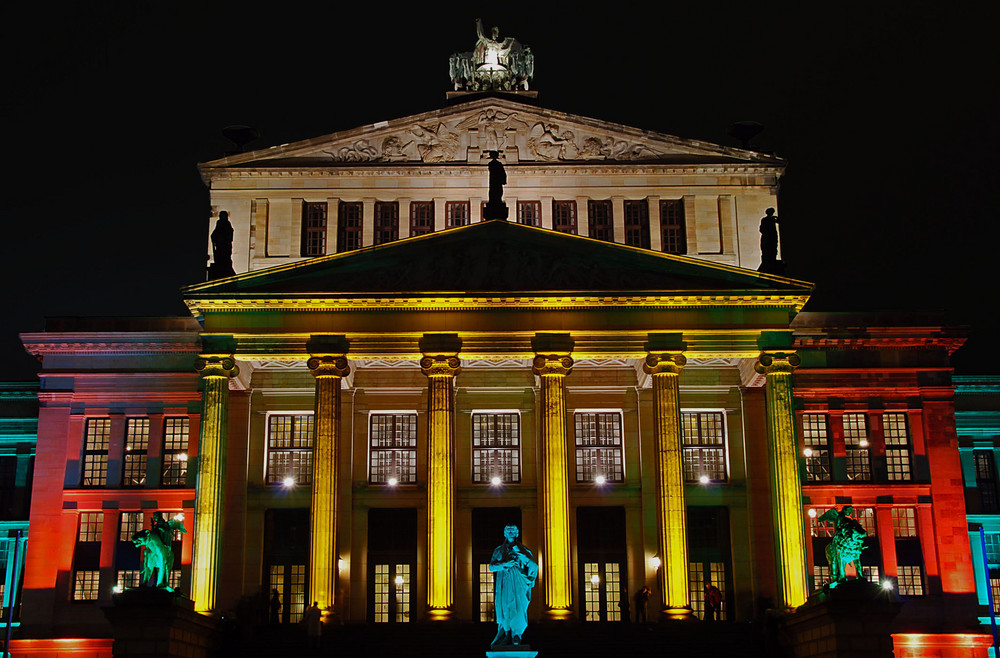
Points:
[(499, 362), (950, 343)]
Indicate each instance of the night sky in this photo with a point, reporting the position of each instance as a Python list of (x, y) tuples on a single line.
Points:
[(887, 116)]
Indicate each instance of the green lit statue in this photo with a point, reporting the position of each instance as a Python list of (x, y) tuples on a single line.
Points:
[(516, 572), (847, 543), (158, 556)]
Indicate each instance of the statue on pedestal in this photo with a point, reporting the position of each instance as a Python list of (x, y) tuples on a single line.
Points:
[(495, 207), (847, 544), (494, 64), (158, 554), (516, 572)]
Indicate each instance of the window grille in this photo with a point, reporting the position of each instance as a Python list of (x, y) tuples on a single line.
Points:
[(993, 548), (131, 523), (600, 217), (175, 447), (897, 446), (95, 452), (386, 222), (704, 446), (637, 223), (289, 448), (819, 528), (821, 576), (136, 448), (904, 522), (486, 609), (856, 443), (995, 586), (529, 213), (393, 448), (350, 225), (313, 229), (910, 579), (128, 578), (421, 217), (986, 481), (496, 447), (86, 584), (599, 446), (815, 438), (91, 527), (672, 223), (564, 216), (456, 213)]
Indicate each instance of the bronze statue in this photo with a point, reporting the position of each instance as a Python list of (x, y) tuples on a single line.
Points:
[(158, 554), (495, 207), (769, 243), (222, 248), (516, 572), (847, 543)]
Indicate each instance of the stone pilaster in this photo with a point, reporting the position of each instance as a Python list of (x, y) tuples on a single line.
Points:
[(665, 369), (551, 364), (215, 371), (440, 364), (328, 369), (786, 486)]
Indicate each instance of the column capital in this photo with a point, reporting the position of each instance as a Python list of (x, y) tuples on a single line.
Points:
[(777, 362), (329, 365), (440, 365), (552, 364), (216, 365), (658, 363)]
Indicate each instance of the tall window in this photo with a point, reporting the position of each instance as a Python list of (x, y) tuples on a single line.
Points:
[(175, 447), (386, 221), (856, 443), (95, 452), (637, 223), (600, 217), (421, 217), (696, 585), (313, 228), (897, 446), (136, 447), (496, 447), (350, 225), (486, 607), (986, 480), (289, 448), (456, 213), (599, 446), (910, 578), (127, 571), (529, 213), (672, 223), (87, 557), (704, 449), (131, 523), (816, 441), (392, 449), (904, 522), (564, 216)]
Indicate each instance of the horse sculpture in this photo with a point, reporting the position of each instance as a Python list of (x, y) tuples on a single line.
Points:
[(158, 556), (847, 543)]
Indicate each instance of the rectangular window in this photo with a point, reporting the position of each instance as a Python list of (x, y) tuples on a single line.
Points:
[(993, 548), (128, 578), (313, 229), (564, 216), (819, 528), (600, 216), (696, 586), (175, 447), (672, 223), (86, 584), (897, 446), (136, 447), (704, 448), (821, 576), (910, 579), (529, 213), (95, 452), (486, 608), (856, 443), (871, 574), (386, 222), (904, 522), (421, 217), (392, 449), (91, 527), (816, 442), (289, 448), (599, 446), (350, 222), (456, 213), (637, 223), (131, 523), (496, 447), (866, 517), (986, 481), (995, 586)]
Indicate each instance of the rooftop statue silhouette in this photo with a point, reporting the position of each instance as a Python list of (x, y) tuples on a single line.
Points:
[(769, 262), (222, 249), (495, 207)]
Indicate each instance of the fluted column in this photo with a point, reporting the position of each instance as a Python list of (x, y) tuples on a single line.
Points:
[(665, 368), (215, 371), (328, 369), (786, 487), (551, 367), (440, 368)]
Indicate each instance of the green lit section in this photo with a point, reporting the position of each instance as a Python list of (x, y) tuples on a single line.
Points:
[(786, 487), (215, 370), (665, 368)]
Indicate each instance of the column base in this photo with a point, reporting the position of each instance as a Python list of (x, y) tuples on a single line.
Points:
[(677, 614), (440, 614), (558, 614)]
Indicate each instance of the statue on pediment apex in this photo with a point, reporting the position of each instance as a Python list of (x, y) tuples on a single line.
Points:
[(494, 64)]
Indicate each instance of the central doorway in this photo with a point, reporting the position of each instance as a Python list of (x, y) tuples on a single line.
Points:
[(603, 561), (392, 558)]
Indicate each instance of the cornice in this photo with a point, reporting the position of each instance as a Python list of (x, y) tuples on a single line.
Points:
[(137, 344), (950, 343)]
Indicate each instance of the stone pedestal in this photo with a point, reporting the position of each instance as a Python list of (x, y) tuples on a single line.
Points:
[(852, 619), (154, 622), (514, 651)]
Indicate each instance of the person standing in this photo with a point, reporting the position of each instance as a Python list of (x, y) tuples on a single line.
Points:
[(713, 601), (641, 599), (313, 619), (275, 607)]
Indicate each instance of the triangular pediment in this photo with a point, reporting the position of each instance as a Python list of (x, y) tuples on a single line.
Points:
[(460, 133), (499, 258)]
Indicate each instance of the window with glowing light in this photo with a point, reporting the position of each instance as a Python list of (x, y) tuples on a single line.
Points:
[(599, 446), (993, 548), (421, 217), (95, 452), (529, 213), (496, 447), (816, 444), (392, 448), (910, 578), (704, 446), (904, 522), (313, 229), (456, 213), (386, 225), (564, 216), (995, 587), (600, 217), (856, 444), (897, 446), (986, 481), (87, 557), (715, 572), (86, 584), (821, 576), (289, 448), (637, 223), (136, 447), (175, 451), (819, 528), (350, 225), (673, 228)]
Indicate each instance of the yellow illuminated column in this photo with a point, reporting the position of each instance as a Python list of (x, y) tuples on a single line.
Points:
[(440, 370), (215, 371), (552, 370), (328, 369), (786, 487), (665, 368)]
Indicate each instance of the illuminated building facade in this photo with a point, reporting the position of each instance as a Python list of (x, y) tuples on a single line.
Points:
[(388, 381)]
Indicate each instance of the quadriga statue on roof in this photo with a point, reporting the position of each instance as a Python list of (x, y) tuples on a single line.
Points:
[(516, 572), (493, 65), (847, 543), (158, 554)]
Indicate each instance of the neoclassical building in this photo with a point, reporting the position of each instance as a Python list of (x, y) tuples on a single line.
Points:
[(387, 380)]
